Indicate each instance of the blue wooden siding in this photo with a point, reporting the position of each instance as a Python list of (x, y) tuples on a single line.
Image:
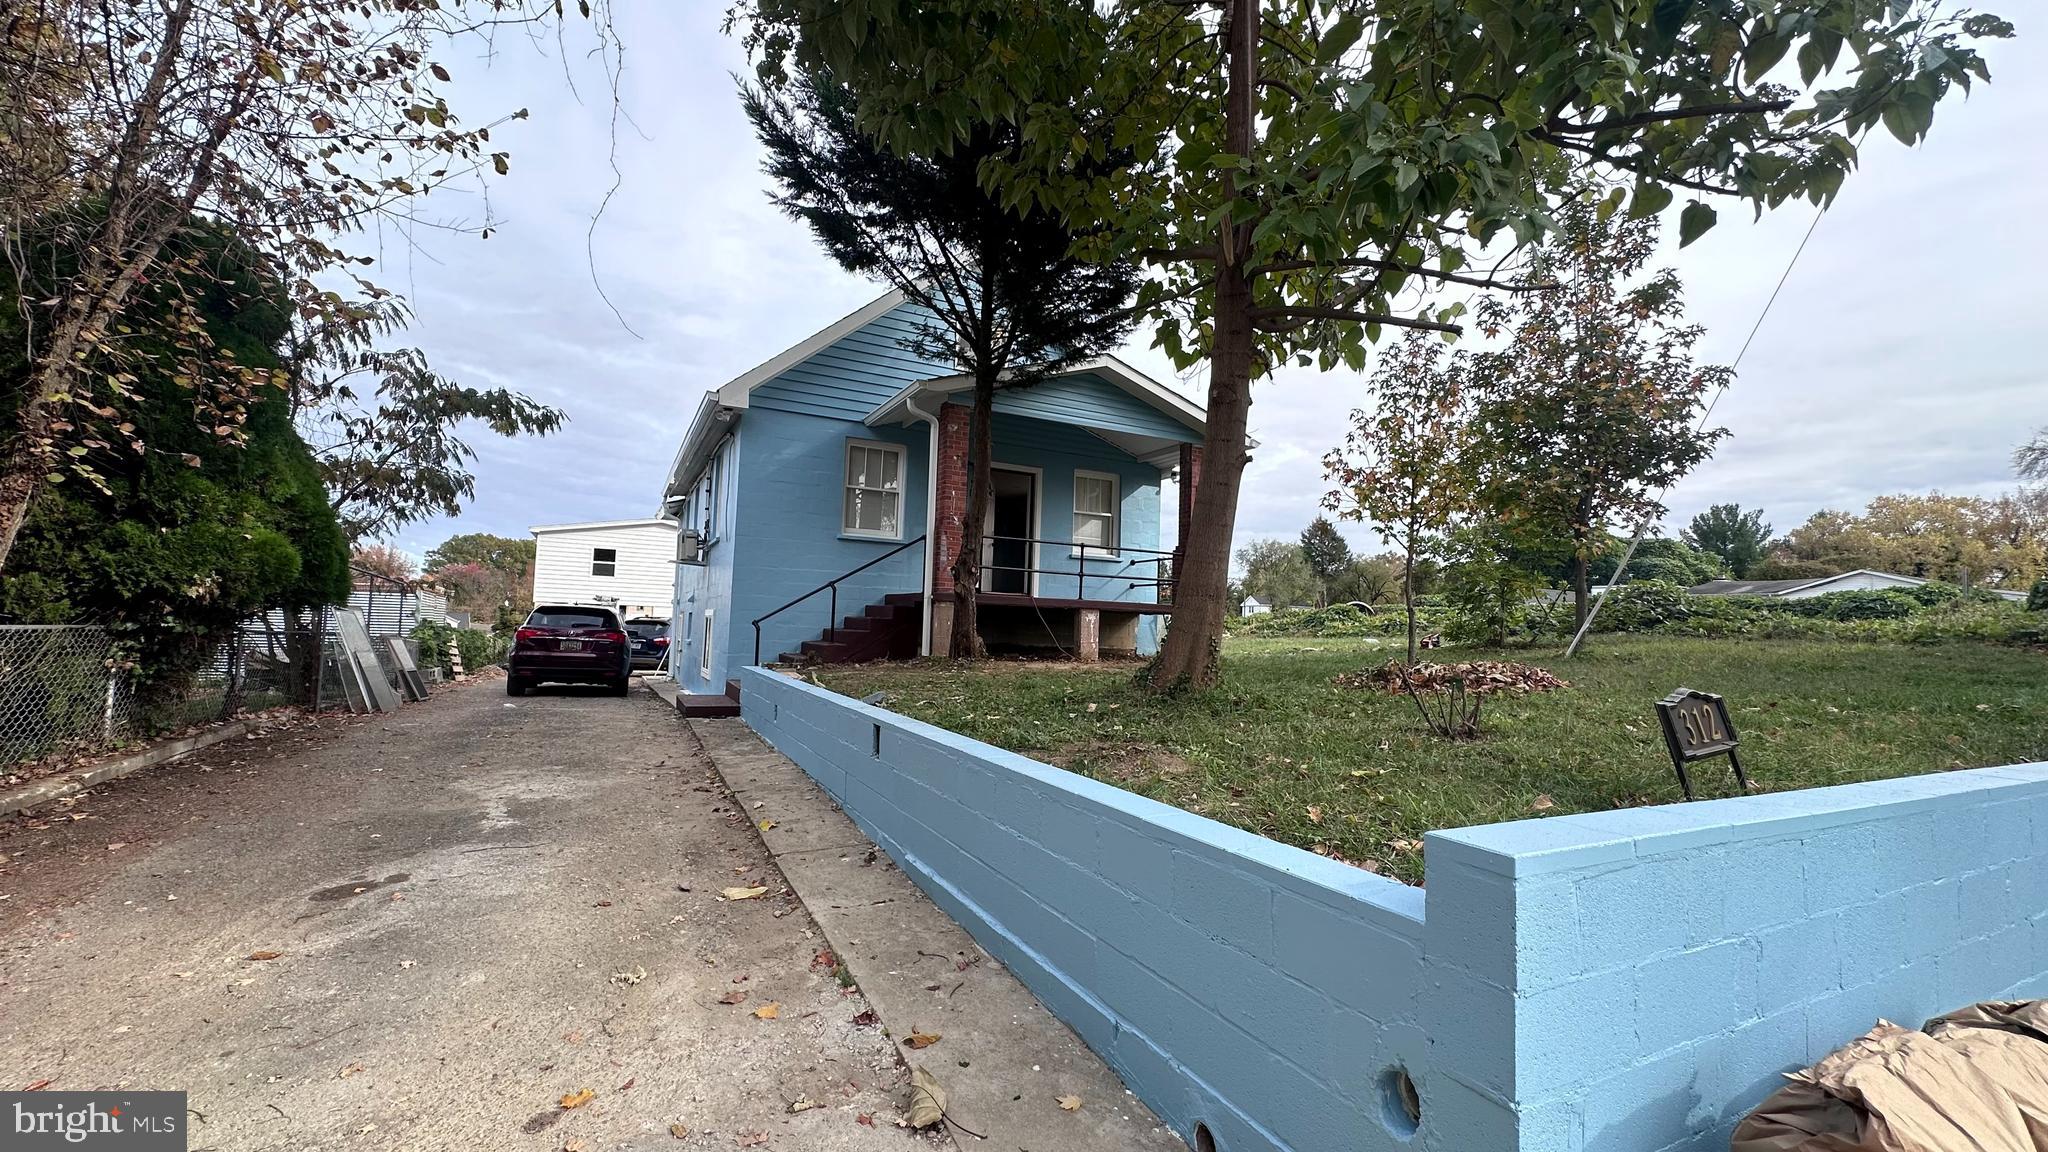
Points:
[(709, 585), (792, 481), (1091, 402), (1060, 450), (855, 375)]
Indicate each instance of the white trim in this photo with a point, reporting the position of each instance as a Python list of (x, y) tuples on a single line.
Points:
[(704, 653), (931, 518), (734, 393), (988, 510), (1140, 386), (614, 562), (1116, 514), (902, 488), (595, 524)]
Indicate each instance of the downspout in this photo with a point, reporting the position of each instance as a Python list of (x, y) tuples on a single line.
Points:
[(931, 514)]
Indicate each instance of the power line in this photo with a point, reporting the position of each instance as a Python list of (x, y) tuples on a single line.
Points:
[(1644, 524)]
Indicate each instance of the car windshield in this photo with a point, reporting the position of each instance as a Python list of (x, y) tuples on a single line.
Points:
[(647, 629), (569, 618)]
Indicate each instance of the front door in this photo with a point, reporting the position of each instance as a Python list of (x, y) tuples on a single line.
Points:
[(1006, 549)]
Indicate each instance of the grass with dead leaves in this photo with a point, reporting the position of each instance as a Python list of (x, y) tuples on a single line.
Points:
[(1280, 749)]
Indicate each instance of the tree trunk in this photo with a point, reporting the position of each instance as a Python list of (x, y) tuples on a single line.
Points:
[(967, 643), (1408, 600), (1194, 640), (1581, 588)]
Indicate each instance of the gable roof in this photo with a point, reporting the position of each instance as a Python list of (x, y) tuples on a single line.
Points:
[(1787, 587), (1109, 369), (733, 394)]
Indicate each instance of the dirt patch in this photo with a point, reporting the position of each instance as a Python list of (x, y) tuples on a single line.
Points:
[(1123, 761)]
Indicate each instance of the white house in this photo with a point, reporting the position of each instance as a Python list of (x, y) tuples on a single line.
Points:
[(1253, 606), (626, 565), (1862, 579)]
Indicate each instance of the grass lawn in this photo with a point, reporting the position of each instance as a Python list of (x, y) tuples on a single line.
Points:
[(1279, 750)]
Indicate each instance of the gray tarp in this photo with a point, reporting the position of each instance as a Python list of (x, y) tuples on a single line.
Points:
[(1970, 1081)]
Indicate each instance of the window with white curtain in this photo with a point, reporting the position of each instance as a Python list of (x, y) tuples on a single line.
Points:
[(874, 490), (1095, 508)]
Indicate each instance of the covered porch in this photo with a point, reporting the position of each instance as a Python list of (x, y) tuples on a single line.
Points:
[(1071, 559)]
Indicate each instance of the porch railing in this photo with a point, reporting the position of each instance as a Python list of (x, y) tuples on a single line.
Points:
[(832, 586), (1122, 559)]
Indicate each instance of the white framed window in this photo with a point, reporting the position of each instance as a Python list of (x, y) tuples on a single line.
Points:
[(873, 504), (704, 646), (604, 561), (1096, 499)]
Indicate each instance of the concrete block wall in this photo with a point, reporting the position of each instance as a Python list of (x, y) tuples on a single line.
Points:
[(1618, 982), (1669, 963)]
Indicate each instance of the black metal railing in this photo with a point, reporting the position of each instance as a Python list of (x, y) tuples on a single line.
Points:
[(832, 585), (1103, 554)]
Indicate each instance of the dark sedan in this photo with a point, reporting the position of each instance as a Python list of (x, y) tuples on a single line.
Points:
[(650, 640), (570, 644)]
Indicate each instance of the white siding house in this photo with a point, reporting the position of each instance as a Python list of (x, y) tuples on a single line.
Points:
[(626, 565), (1861, 580)]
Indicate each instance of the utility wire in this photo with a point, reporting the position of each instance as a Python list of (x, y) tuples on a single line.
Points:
[(1643, 525)]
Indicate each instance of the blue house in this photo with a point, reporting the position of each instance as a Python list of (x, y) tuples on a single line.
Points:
[(824, 489)]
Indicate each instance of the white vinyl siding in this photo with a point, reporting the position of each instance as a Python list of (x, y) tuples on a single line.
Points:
[(873, 504), (1095, 509), (568, 562)]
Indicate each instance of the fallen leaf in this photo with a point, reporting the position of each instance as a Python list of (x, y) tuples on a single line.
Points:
[(38, 1085), (768, 1011), (918, 1039), (927, 1100), (867, 1118), (604, 903), (824, 961), (628, 1085), (803, 1104), (745, 893), (733, 997), (765, 825), (265, 954), (1070, 1103), (864, 1019), (575, 1146), (1315, 814), (407, 963), (1542, 803), (679, 1131), (117, 845), (578, 1098), (751, 1139), (637, 975), (351, 1069)]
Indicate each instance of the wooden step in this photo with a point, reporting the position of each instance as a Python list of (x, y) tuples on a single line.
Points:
[(706, 706), (907, 599)]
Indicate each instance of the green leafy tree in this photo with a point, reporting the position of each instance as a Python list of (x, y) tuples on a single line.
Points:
[(1276, 572), (1368, 579), (1592, 408), (485, 573), (300, 127), (1400, 468), (1302, 172), (181, 541), (2030, 460), (1327, 553), (1001, 291), (1739, 538)]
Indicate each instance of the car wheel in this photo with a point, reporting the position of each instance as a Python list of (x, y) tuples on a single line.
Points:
[(514, 686), (622, 685)]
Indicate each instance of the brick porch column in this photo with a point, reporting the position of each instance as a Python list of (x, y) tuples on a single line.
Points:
[(1190, 479), (949, 495)]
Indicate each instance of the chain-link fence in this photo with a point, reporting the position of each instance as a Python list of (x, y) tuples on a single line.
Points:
[(59, 686)]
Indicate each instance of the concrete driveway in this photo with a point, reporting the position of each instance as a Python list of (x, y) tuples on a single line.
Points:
[(478, 907)]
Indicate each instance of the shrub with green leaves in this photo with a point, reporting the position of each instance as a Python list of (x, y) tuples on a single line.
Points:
[(479, 649), (1869, 604), (2037, 596)]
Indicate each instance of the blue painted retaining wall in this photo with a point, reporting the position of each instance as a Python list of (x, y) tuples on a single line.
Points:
[(1618, 982)]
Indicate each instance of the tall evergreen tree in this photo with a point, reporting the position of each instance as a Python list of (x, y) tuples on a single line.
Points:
[(1327, 553), (1739, 538), (1002, 293)]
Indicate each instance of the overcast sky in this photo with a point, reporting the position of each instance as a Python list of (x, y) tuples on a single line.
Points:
[(1906, 352)]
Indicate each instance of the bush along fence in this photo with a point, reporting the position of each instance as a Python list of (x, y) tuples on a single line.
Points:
[(1631, 981)]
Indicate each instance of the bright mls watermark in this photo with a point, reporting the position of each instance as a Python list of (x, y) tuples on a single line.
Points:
[(109, 1121)]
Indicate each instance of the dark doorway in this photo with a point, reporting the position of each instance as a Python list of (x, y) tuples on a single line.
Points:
[(1006, 559)]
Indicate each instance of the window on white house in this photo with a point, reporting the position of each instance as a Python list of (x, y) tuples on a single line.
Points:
[(704, 646), (874, 490), (1095, 507), (604, 561)]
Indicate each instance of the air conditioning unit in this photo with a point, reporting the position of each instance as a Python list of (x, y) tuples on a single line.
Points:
[(689, 546)]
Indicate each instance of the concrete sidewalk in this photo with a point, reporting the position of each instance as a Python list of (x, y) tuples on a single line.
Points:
[(1005, 1061), (423, 930)]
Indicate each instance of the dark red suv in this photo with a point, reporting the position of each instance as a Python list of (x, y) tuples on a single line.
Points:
[(570, 644)]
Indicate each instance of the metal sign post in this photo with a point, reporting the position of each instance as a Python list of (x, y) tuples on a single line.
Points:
[(1696, 727)]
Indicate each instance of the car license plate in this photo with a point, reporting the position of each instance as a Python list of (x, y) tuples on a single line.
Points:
[(571, 646)]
